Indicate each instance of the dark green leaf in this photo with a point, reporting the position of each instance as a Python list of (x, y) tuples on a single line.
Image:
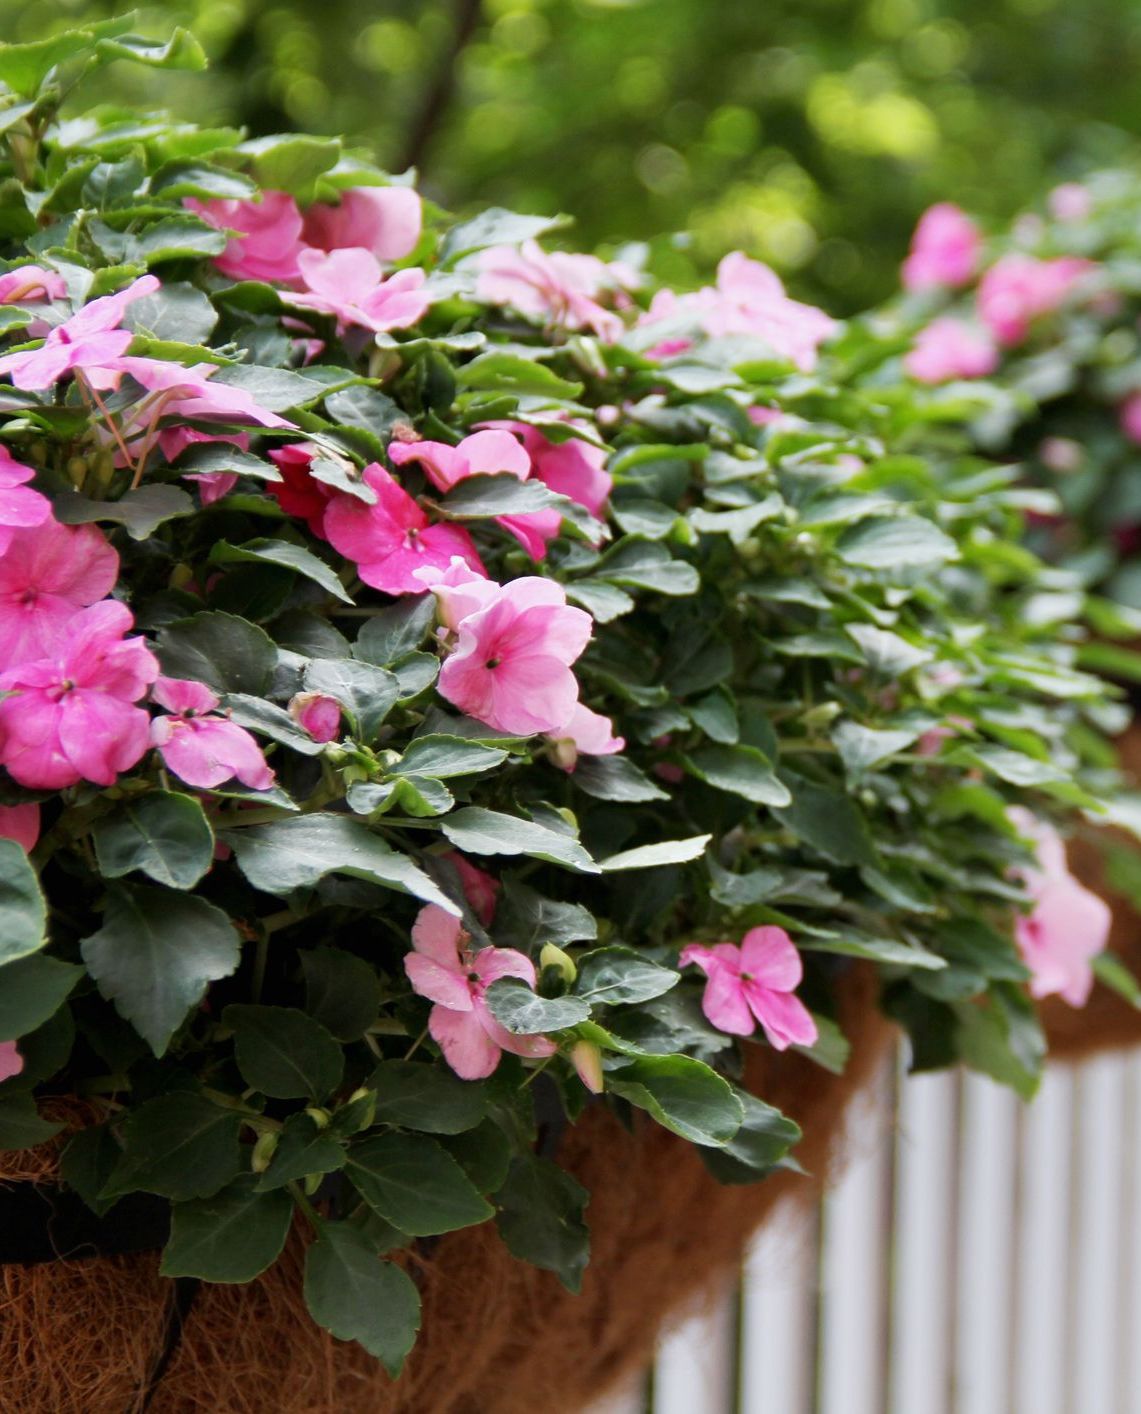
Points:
[(367, 693), (682, 1094), (525, 1013), (896, 543), (414, 1095), (284, 555), (180, 1146), (615, 778), (827, 820), (763, 1140), (21, 1126), (742, 770), (445, 756), (478, 831), (342, 991), (231, 1237), (616, 976), (302, 1149), (284, 1053), (164, 833), (23, 913), (354, 1295), (226, 653), (415, 1184), (32, 988), (540, 1218)]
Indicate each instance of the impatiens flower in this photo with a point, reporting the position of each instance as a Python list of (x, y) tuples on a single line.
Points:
[(71, 715), (1068, 925), (29, 284), (511, 664), (391, 540), (1018, 289), (754, 982), (1130, 417), (316, 713), (945, 250), (584, 733), (383, 220), (459, 591), (22, 824), (574, 468), (480, 889), (186, 392), (949, 348), (90, 342), (47, 572), (212, 485), (20, 506), (1070, 202), (201, 747), (267, 238), (298, 493), (11, 1061), (587, 1061), (349, 285), (551, 285), (487, 453), (456, 978)]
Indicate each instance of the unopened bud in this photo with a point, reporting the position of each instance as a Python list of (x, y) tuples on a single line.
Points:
[(263, 1151), (553, 956), (319, 1117), (77, 471), (587, 1061)]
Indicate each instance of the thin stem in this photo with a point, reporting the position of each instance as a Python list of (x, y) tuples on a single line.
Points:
[(112, 425), (414, 1047), (261, 957)]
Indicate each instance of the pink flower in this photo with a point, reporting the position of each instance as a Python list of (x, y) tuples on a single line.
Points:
[(551, 286), (48, 572), (11, 1061), (1067, 926), (391, 540), (584, 733), (574, 468), (90, 342), (1018, 289), (1070, 202), (29, 284), (949, 348), (480, 889), (267, 238), (212, 485), (456, 979), (458, 589), (20, 507), (1130, 417), (298, 493), (754, 982), (317, 714), (349, 284), (202, 748), (383, 220), (945, 250), (487, 453), (186, 392), (71, 716), (22, 824), (511, 664)]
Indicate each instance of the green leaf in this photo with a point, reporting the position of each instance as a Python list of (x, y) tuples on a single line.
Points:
[(284, 1053), (269, 720), (741, 770), (273, 389), (290, 162), (177, 238), (155, 955), (21, 1126), (284, 555), (231, 1237), (163, 833), (23, 913), (893, 543), (179, 1146), (227, 653), (223, 456), (526, 920), (397, 630), (827, 820), (181, 50), (302, 1149), (414, 1095), (655, 856), (495, 226), (367, 693), (141, 511), (540, 1218), (615, 778), (484, 1154), (682, 1094), (297, 853), (637, 563), (366, 410), (342, 991), (189, 176), (87, 1163), (483, 497), (475, 830), (415, 1184), (525, 1013), (885, 950), (503, 372), (862, 747), (356, 1296), (763, 1140), (886, 652), (32, 989), (445, 756), (618, 976), (1001, 1036)]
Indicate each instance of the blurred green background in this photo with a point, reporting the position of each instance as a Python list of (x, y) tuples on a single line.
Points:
[(810, 133)]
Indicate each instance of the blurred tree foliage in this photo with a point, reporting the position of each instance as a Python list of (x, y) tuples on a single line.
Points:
[(808, 132)]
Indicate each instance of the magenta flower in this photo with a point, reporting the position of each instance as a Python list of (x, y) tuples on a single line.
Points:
[(584, 733), (11, 1061), (29, 284), (298, 493), (71, 715), (349, 284), (456, 978), (48, 572), (317, 714), (266, 240), (481, 890), (574, 468), (511, 664), (391, 540), (1067, 926), (198, 745), (22, 824), (945, 250), (949, 348), (90, 342), (383, 220), (21, 508), (1130, 418), (555, 286), (1018, 289), (754, 982)]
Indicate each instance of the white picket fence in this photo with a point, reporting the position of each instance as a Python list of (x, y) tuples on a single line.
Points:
[(980, 1256)]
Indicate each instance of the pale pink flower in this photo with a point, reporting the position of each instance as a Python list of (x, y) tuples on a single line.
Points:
[(764, 417), (392, 539), (11, 1061), (511, 664), (350, 285), (29, 284), (754, 982), (1130, 417), (298, 493), (199, 746), (945, 250), (459, 591), (186, 392), (316, 713), (1064, 455), (383, 220), (90, 342), (551, 285), (71, 715), (1070, 202), (21, 508), (573, 468), (47, 572), (212, 485), (1018, 289), (456, 978), (480, 889), (949, 348), (266, 240), (22, 824), (584, 733), (1067, 926)]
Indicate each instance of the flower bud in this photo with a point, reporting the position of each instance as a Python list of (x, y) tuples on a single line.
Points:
[(587, 1061), (264, 1150), (316, 713), (319, 1116), (553, 956)]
